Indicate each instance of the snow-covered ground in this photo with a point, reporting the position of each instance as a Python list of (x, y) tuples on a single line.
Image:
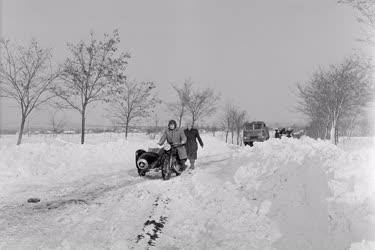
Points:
[(280, 194)]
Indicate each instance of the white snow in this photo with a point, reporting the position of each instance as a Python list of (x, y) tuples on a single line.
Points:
[(280, 194)]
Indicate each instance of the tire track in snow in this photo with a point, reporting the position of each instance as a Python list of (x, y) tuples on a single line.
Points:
[(84, 193), (152, 227)]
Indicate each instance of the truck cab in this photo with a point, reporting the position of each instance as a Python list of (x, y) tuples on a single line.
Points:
[(255, 131)]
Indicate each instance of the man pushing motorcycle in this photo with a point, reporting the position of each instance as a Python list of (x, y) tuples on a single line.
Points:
[(176, 138)]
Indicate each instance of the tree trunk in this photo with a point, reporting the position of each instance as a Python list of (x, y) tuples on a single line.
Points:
[(28, 127), (83, 125), (180, 117), (333, 132), (180, 120), (226, 136), (126, 129), (238, 137), (326, 133), (232, 132), (23, 120)]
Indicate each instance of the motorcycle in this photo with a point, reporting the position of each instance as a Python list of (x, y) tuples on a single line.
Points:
[(163, 159)]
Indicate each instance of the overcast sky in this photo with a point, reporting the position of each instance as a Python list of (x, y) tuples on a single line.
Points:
[(252, 52)]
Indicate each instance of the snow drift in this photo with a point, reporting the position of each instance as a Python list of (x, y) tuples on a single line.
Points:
[(305, 182), (281, 194), (48, 161)]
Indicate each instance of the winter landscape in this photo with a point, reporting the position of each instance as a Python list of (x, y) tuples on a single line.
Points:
[(187, 124), (280, 194)]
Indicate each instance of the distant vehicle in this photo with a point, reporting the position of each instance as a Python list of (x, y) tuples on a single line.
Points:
[(298, 134), (284, 132), (255, 131), (289, 132)]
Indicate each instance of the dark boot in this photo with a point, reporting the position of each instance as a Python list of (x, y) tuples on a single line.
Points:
[(192, 162), (183, 165)]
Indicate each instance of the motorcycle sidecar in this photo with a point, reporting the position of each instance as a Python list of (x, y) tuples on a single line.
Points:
[(148, 160)]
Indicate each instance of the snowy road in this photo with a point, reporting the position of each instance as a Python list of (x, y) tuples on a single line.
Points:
[(272, 196), (121, 210)]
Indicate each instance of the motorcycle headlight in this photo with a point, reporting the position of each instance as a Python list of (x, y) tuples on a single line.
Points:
[(167, 147)]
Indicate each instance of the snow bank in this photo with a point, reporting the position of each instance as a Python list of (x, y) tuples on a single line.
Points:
[(44, 160), (289, 175), (57, 162), (283, 194), (300, 180)]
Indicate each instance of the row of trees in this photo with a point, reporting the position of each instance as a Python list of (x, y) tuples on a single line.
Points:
[(94, 71), (232, 122), (193, 105), (335, 96)]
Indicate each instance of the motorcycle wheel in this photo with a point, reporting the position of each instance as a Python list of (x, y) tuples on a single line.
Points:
[(166, 171), (141, 173), (176, 169)]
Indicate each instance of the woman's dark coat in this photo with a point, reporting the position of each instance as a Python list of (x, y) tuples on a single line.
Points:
[(191, 142)]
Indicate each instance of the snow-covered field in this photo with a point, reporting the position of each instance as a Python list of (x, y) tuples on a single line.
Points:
[(280, 194)]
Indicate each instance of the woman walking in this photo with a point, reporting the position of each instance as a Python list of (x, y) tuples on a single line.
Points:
[(192, 135)]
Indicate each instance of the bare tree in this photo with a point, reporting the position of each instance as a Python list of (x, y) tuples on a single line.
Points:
[(201, 103), (154, 128), (239, 120), (336, 93), (90, 73), (356, 124), (228, 120), (347, 125), (366, 9), (311, 105), (130, 101), (156, 119), (233, 120), (26, 77), (179, 107), (57, 124), (365, 124), (214, 129)]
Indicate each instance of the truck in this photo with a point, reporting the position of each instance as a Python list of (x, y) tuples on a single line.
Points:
[(255, 131)]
